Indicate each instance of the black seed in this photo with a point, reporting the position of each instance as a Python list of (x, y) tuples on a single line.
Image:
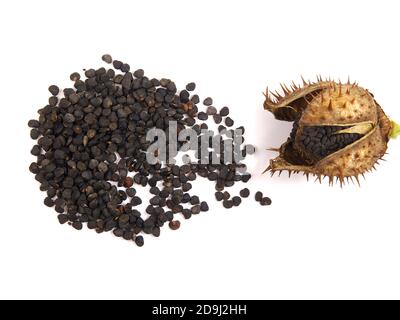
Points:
[(224, 111), (106, 58), (118, 232), (154, 190), (33, 124), (77, 225), (265, 201), (48, 202), (236, 201), (227, 204), (196, 209), (139, 73), (194, 200), (217, 118), (204, 206), (258, 196), (191, 86), (219, 196), (75, 76), (244, 193), (174, 225), (229, 122), (125, 67), (139, 241), (136, 201), (54, 90), (62, 218), (202, 116), (35, 134), (156, 231), (186, 213), (69, 118), (226, 195), (208, 101), (186, 186)]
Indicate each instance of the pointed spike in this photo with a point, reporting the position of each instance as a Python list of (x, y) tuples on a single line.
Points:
[(340, 90), (304, 81), (276, 95), (358, 181), (268, 168), (284, 89), (330, 108), (280, 172), (287, 88), (272, 173), (348, 80)]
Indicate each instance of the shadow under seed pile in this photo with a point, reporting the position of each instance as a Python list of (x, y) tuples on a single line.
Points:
[(91, 152)]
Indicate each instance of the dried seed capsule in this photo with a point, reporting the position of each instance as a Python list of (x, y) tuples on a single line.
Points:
[(335, 126)]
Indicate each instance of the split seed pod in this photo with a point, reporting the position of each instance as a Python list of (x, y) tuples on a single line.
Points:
[(339, 130)]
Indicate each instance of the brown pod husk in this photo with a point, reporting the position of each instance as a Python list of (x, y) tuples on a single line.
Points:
[(339, 130)]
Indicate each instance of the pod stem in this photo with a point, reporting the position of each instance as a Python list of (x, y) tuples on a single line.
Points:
[(395, 132)]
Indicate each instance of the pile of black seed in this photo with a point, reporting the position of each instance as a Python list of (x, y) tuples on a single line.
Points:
[(91, 152)]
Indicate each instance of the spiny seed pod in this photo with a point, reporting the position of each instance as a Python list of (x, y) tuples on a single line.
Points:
[(339, 130)]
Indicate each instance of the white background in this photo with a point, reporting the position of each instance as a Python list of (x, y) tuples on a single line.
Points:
[(315, 241)]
